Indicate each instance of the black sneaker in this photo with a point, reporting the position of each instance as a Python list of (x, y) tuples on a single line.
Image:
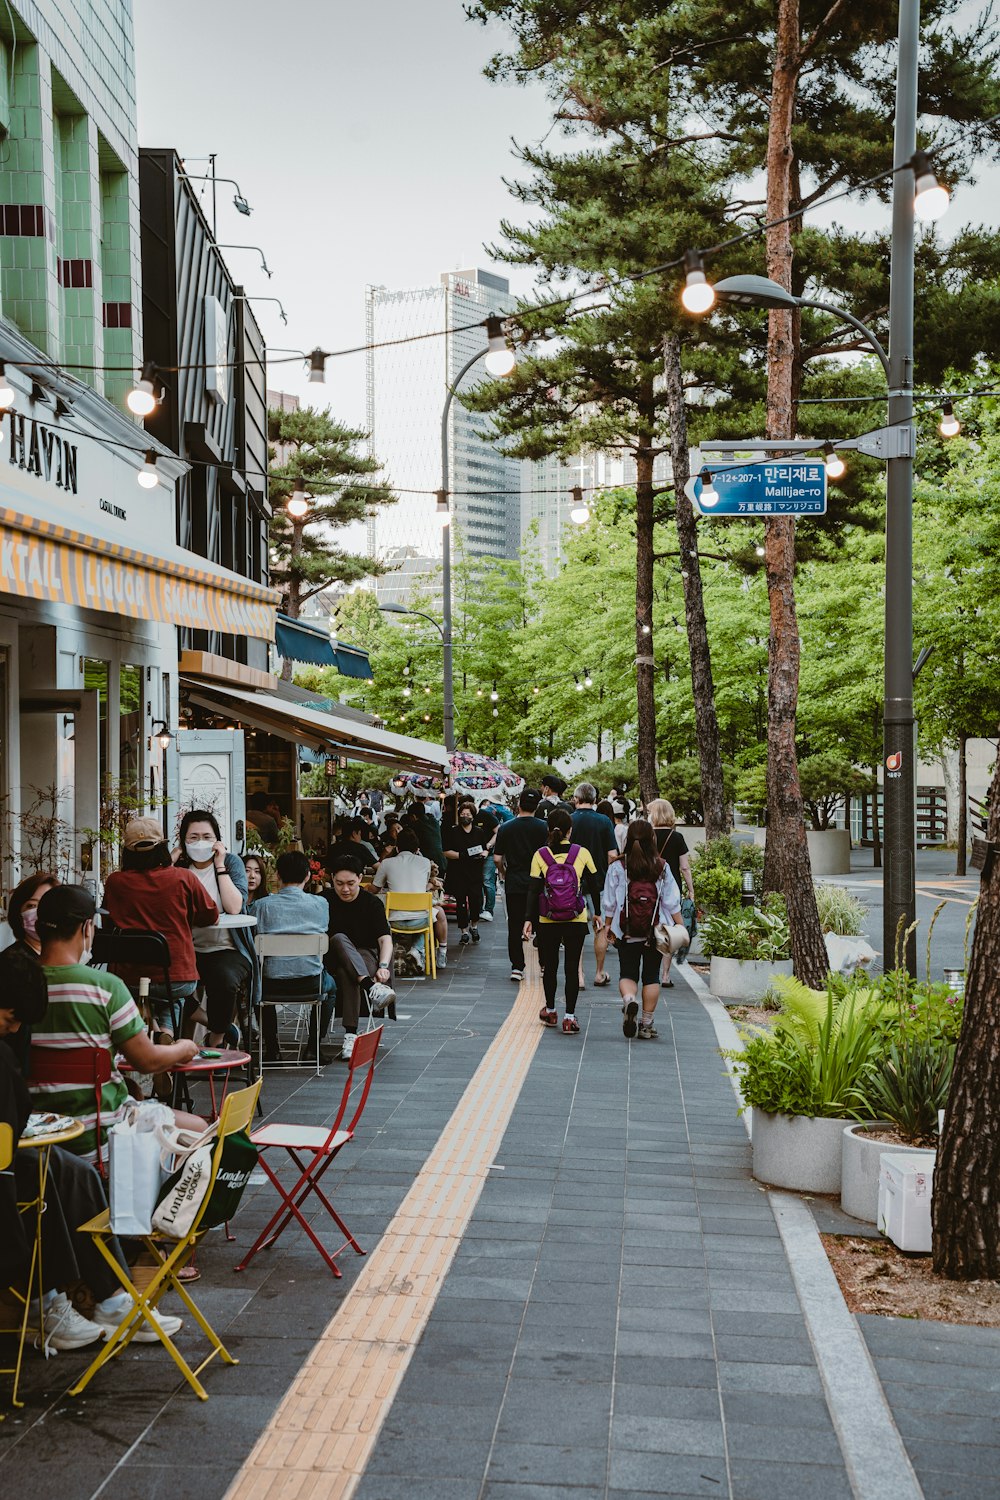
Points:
[(629, 1027), (475, 934)]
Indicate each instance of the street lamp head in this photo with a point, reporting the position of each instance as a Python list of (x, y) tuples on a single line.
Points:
[(754, 291), (930, 199), (698, 296), (500, 359), (949, 425)]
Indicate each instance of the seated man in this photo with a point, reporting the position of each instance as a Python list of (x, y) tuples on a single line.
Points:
[(88, 1008), (292, 909), (74, 1193), (351, 845), (411, 872), (360, 950)]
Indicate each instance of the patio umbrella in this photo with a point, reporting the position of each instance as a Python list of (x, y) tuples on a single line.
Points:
[(469, 773)]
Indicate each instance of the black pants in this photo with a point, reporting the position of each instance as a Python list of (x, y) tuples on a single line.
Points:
[(468, 905), (633, 955), (226, 976), (516, 905), (571, 936), (74, 1193)]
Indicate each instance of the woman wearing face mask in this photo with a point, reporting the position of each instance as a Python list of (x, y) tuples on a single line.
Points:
[(22, 912), (227, 959), (465, 855)]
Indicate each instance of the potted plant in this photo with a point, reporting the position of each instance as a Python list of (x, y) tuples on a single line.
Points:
[(806, 1081), (827, 779), (749, 948), (907, 1087), (842, 917)]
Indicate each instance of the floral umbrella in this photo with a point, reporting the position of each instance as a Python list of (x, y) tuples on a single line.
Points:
[(469, 773)]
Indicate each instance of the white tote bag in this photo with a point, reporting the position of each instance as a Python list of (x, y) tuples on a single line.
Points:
[(191, 1174), (135, 1171)]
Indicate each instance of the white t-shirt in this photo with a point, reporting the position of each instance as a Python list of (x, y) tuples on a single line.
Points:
[(621, 834), (405, 872), (210, 939)]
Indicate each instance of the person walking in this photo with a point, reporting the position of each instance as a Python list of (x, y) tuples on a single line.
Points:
[(465, 853), (597, 835), (485, 823), (638, 893), (671, 845), (517, 842), (557, 913)]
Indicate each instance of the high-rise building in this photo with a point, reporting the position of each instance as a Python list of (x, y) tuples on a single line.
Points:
[(546, 499), (407, 386)]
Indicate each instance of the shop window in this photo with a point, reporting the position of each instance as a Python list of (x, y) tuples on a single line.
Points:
[(130, 721)]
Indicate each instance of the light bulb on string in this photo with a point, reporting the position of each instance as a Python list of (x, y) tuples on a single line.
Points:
[(835, 466), (536, 690), (147, 475), (579, 684), (297, 504), (494, 695), (500, 358), (949, 425), (709, 495), (407, 691), (698, 295), (759, 550), (141, 399), (579, 511), (496, 713), (930, 199), (317, 367), (588, 681), (6, 389)]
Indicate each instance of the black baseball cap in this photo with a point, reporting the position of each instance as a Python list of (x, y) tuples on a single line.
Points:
[(555, 782), (529, 799), (65, 904)]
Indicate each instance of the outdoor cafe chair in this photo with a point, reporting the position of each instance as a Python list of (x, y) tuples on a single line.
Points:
[(73, 1067), (21, 1300), (412, 901), (306, 993), (321, 1145), (169, 1256), (139, 948)]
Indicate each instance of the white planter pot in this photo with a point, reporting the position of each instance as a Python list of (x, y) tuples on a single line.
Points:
[(793, 1151), (859, 1176), (692, 836), (829, 849), (744, 980)]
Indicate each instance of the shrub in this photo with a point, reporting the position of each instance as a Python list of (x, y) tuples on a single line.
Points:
[(717, 868), (911, 1085), (753, 932), (839, 911), (827, 1077)]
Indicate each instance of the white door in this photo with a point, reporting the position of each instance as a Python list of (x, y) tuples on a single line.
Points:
[(205, 771)]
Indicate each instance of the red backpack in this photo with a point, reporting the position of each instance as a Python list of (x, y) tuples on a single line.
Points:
[(642, 901), (561, 899)]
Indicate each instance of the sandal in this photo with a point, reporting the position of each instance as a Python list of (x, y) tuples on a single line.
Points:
[(601, 980)]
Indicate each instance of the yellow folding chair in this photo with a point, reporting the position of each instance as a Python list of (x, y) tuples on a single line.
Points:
[(170, 1256), (22, 1301), (411, 901)]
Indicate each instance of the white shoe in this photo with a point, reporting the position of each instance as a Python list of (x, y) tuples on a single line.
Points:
[(380, 995), (348, 1046), (65, 1328), (110, 1322), (442, 956), (486, 916)]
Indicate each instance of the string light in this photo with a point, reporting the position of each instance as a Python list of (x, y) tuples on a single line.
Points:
[(709, 495), (147, 475), (6, 389), (930, 199), (407, 691), (297, 504), (588, 681), (317, 367), (536, 691), (949, 425), (759, 550), (494, 695), (579, 684), (141, 399), (835, 466), (500, 358), (579, 512), (698, 295), (442, 511)]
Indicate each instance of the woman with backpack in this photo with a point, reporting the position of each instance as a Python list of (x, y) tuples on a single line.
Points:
[(556, 912), (639, 893)]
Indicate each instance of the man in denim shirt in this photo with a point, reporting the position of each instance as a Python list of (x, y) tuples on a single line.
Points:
[(291, 909)]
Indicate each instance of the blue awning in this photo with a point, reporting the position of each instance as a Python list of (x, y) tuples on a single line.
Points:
[(295, 640)]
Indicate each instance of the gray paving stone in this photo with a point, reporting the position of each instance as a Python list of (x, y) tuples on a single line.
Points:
[(671, 1474), (778, 1380), (753, 1479), (781, 1351), (764, 1409), (555, 1464), (930, 1399), (458, 1458), (979, 1462), (671, 1344), (648, 1370), (668, 1435), (751, 1440)]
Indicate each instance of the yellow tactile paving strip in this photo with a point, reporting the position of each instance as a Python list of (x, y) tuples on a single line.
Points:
[(320, 1438)]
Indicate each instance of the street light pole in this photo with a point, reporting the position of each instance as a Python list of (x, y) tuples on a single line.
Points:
[(899, 742), (443, 504)]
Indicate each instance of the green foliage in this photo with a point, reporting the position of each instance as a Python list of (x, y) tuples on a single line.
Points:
[(716, 889), (717, 867), (910, 1086), (840, 911), (753, 932), (826, 778)]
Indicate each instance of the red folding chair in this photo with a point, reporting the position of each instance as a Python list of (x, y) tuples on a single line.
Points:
[(321, 1146), (72, 1067)]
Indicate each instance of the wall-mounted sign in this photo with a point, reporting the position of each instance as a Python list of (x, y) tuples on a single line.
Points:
[(37, 449), (216, 351)]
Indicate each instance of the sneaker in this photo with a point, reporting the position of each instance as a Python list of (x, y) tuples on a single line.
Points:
[(570, 1025), (516, 975), (475, 934), (465, 938), (348, 1046), (380, 996), (629, 1027), (65, 1328), (442, 956), (548, 1017), (647, 1033), (110, 1322), (486, 916)]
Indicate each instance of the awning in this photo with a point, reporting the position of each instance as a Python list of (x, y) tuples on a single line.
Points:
[(40, 559), (297, 640), (307, 726)]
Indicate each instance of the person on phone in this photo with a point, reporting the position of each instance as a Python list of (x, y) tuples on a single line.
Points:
[(227, 959), (562, 874)]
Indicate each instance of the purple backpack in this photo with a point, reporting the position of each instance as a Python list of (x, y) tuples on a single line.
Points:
[(561, 899)]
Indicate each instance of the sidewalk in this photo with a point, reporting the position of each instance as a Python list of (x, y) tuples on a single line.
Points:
[(577, 1292)]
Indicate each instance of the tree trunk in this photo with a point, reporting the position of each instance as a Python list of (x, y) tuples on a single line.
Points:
[(644, 670), (948, 761), (294, 588), (963, 805), (966, 1201), (786, 861), (713, 799)]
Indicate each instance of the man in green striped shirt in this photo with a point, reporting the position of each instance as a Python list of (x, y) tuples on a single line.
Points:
[(88, 1008)]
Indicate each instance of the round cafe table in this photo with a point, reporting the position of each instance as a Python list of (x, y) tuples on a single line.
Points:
[(227, 1062), (238, 919), (42, 1143)]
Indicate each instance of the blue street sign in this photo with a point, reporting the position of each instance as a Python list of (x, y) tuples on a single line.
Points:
[(776, 487)]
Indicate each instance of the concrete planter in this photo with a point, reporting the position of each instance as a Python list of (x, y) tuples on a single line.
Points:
[(859, 1177), (793, 1151), (692, 836), (829, 849), (744, 980)]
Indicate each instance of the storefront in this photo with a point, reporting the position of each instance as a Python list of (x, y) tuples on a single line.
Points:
[(92, 591)]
